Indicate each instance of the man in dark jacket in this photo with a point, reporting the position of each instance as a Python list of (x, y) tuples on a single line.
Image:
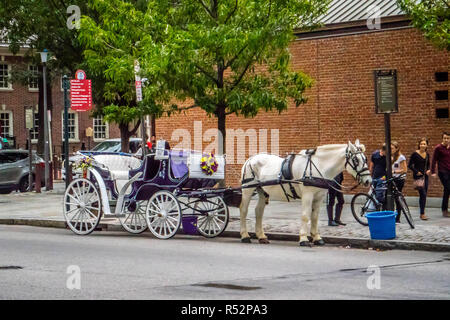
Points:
[(333, 193), (441, 157)]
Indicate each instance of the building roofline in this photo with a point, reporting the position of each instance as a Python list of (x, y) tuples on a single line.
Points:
[(352, 27)]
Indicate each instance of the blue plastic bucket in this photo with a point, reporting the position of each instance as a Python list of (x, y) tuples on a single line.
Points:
[(381, 224)]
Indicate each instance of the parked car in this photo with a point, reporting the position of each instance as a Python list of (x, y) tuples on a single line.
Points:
[(110, 146), (15, 168)]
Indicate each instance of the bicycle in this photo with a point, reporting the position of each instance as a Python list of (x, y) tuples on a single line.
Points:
[(363, 203)]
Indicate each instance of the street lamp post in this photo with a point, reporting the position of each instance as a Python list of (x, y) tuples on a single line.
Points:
[(44, 55)]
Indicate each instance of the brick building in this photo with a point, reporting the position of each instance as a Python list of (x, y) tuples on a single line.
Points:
[(14, 97), (341, 57)]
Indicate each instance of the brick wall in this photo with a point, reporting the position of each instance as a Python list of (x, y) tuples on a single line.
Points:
[(341, 103)]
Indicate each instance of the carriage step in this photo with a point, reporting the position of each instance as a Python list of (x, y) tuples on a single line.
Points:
[(106, 216)]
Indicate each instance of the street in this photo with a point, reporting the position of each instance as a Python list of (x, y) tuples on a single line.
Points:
[(40, 263)]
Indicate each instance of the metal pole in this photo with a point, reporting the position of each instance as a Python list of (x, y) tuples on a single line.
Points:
[(66, 86), (144, 142), (30, 156), (387, 128), (46, 146)]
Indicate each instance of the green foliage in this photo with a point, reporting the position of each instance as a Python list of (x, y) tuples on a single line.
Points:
[(41, 24), (112, 42), (230, 56), (432, 17)]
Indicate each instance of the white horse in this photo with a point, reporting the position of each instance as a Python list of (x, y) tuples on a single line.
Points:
[(328, 161)]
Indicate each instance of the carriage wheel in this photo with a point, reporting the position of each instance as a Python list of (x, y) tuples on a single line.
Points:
[(82, 206), (163, 214), (214, 222), (134, 221)]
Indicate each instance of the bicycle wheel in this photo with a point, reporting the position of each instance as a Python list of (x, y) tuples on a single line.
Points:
[(361, 204), (405, 210)]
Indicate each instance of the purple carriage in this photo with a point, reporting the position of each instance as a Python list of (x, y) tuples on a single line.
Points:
[(164, 191)]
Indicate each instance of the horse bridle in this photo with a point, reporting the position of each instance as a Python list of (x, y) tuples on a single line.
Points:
[(351, 159)]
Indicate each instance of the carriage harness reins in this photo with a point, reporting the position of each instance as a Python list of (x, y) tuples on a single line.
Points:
[(285, 175)]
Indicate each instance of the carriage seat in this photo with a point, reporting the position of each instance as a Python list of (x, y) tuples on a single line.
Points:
[(119, 167)]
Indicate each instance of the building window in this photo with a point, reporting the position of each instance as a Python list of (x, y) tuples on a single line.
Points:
[(35, 130), (441, 76), (442, 113), (72, 126), (100, 129), (62, 82), (6, 124), (4, 76), (34, 77), (441, 94)]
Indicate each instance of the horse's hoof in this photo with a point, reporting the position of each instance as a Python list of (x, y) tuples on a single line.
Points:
[(246, 240), (264, 241), (319, 242), (305, 244)]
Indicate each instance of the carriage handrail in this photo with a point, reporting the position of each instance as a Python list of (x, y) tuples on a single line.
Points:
[(122, 192)]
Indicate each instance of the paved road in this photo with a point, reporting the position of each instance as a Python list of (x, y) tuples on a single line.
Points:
[(117, 265), (279, 217)]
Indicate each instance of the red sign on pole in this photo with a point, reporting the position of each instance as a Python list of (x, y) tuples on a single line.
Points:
[(138, 91), (81, 95)]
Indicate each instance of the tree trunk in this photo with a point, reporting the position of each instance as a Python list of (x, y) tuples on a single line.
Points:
[(124, 137), (221, 124)]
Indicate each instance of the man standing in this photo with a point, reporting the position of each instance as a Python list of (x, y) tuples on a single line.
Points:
[(377, 167), (441, 157), (333, 193)]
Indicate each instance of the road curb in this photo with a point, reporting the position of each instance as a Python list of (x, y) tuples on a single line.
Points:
[(360, 243)]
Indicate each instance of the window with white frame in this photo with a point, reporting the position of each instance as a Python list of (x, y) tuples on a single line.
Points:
[(6, 123), (72, 126), (5, 82), (62, 83), (35, 130), (33, 81), (101, 131)]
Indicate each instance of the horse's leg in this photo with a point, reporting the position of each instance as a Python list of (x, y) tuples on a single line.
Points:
[(317, 240), (259, 212), (307, 199), (243, 208)]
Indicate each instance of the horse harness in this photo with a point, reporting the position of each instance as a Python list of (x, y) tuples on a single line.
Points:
[(285, 175)]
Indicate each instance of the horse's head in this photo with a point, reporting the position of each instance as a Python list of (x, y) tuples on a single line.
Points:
[(356, 163)]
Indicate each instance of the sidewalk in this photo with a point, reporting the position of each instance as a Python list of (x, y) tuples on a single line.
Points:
[(281, 222)]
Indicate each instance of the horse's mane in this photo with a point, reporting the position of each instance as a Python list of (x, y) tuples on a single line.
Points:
[(331, 146), (324, 147)]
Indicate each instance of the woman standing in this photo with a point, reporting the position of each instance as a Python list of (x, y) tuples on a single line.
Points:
[(419, 163), (399, 169)]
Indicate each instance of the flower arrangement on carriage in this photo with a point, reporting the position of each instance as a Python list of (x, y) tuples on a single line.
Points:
[(83, 164)]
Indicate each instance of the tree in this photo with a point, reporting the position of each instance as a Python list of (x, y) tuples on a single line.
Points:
[(44, 24), (432, 17), (229, 56), (113, 42), (40, 24)]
